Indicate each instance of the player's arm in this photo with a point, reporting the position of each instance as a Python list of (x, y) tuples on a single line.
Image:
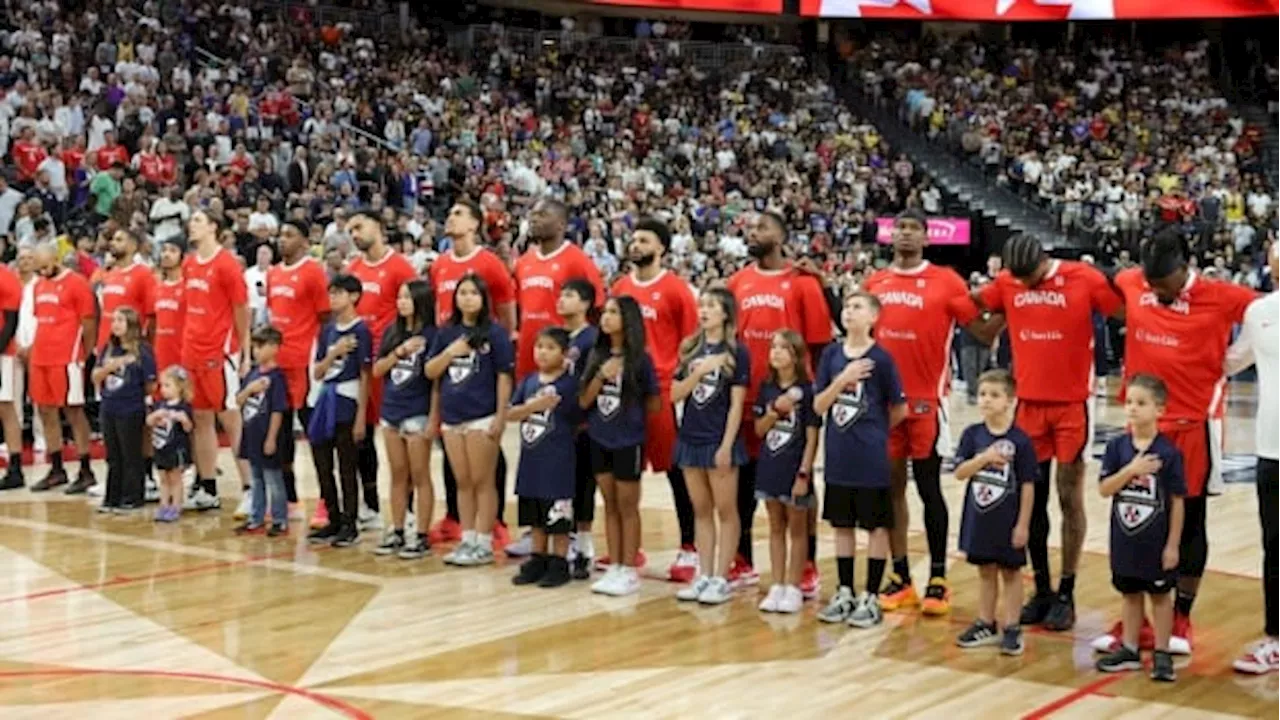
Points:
[(891, 388), (990, 321), (147, 303), (503, 289), (815, 314), (10, 327), (88, 318), (1239, 355), (1107, 295)]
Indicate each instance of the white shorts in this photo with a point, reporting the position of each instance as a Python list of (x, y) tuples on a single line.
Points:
[(12, 379), (478, 425), (415, 425)]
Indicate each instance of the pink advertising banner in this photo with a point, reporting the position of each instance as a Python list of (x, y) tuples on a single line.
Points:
[(942, 231)]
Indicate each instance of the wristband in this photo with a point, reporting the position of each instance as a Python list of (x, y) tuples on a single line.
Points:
[(802, 475)]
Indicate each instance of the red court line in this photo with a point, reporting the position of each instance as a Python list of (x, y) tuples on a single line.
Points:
[(332, 703), (1073, 697)]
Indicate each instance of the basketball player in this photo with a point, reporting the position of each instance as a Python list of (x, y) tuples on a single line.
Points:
[(1177, 327), (66, 321), (10, 378), (170, 303), (463, 226), (297, 306), (381, 271), (215, 346), (670, 314), (1049, 306), (772, 294), (920, 305)]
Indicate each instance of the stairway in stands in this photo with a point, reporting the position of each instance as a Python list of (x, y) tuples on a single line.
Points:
[(1257, 115)]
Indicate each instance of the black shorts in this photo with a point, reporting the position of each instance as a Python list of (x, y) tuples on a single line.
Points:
[(626, 463), (1133, 585), (554, 517), (584, 481), (866, 508), (1002, 564), (172, 460)]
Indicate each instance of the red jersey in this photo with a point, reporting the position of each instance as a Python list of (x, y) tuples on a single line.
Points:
[(72, 158), (1051, 328), (670, 315), (448, 269), (61, 305), (919, 309), (1183, 344), (539, 279), (133, 287), (109, 155), (148, 166), (772, 300), (168, 171), (214, 288), (171, 315), (381, 281), (297, 295), (10, 299), (28, 156)]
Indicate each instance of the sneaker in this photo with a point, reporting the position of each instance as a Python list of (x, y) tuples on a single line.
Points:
[(693, 591), (581, 567), (13, 480), (607, 583), (324, 535), (51, 481), (1034, 612), (898, 595), (839, 608), (791, 600), (1119, 661), (244, 507), (277, 530), (937, 598), (501, 538), (84, 480), (410, 524), (741, 574), (320, 518), (459, 554), (297, 512), (604, 562), (446, 531), (1180, 638), (368, 520), (126, 509), (479, 555), (627, 583), (1162, 667), (201, 500), (391, 543), (867, 612), (415, 546), (531, 571), (1262, 658), (1011, 643), (979, 634), (1111, 640), (150, 490), (557, 573), (1062, 614), (97, 491), (810, 582), (104, 509), (770, 601), (685, 567), (248, 529), (718, 592), (347, 537), (522, 547)]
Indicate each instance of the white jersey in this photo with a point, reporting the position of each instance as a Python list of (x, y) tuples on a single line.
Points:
[(1259, 344)]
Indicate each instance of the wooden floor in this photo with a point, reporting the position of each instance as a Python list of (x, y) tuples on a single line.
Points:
[(105, 617)]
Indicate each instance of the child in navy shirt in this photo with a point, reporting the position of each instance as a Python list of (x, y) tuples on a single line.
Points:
[(125, 379), (998, 461), (472, 359), (577, 297), (545, 404), (860, 398), (337, 423), (171, 439), (711, 381), (619, 388), (263, 401), (1142, 474), (788, 426)]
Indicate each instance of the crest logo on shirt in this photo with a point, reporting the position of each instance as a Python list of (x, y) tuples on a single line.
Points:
[(784, 430), (609, 400), (404, 369), (335, 369), (707, 388), (1138, 504), (253, 406), (991, 485), (462, 368), (849, 407), (160, 434), (536, 426), (114, 381)]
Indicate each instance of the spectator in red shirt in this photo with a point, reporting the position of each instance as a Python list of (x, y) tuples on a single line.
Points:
[(27, 155), (111, 152)]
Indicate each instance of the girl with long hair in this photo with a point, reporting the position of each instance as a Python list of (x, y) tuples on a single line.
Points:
[(125, 377)]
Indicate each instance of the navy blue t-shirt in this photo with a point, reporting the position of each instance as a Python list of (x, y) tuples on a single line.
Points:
[(782, 448), (614, 423), (706, 409), (580, 344), (124, 391), (469, 388), (547, 455), (1140, 511), (344, 373), (256, 416), (993, 497), (406, 391), (857, 425), (169, 436)]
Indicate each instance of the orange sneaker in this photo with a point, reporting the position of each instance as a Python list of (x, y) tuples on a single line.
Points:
[(445, 532), (501, 537), (321, 517), (937, 597), (898, 595)]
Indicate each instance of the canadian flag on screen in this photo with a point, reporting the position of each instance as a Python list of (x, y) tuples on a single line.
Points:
[(1036, 9)]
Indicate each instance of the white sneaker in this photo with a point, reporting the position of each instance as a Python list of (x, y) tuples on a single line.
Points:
[(628, 582), (368, 519), (770, 601), (479, 555), (459, 554), (245, 506), (201, 500), (97, 490), (522, 547), (605, 585), (685, 568), (867, 612), (150, 490), (1101, 390), (410, 524), (693, 590), (718, 592), (839, 607), (1262, 658), (791, 600), (1179, 645)]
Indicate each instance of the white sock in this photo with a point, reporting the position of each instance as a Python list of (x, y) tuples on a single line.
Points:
[(484, 539), (586, 546), (469, 536)]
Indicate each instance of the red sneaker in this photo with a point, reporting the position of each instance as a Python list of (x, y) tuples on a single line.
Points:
[(1110, 641), (641, 559), (501, 537), (321, 517), (445, 532), (810, 581), (1180, 639), (604, 561), (741, 574), (685, 566)]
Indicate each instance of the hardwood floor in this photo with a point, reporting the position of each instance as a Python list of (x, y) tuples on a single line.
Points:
[(107, 617)]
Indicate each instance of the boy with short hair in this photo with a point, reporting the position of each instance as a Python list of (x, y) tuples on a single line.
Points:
[(263, 402), (577, 297)]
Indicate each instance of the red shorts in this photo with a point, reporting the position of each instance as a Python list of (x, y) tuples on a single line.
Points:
[(660, 436), (374, 408), (1200, 442), (298, 382), (56, 385), (1058, 431), (923, 434), (214, 384)]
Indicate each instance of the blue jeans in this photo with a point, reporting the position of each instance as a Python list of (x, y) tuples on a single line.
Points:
[(268, 483)]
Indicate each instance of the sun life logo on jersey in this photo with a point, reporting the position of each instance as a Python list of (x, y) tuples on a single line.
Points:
[(1137, 503)]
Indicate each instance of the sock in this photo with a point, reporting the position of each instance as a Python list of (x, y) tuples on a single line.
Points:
[(875, 574), (1043, 585), (844, 567), (902, 568), (56, 461), (468, 536), (938, 570), (15, 462), (1067, 586), (84, 462), (813, 548), (586, 546), (1182, 602), (147, 467), (484, 539)]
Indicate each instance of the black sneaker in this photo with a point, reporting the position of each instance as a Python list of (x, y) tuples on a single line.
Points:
[(51, 481), (581, 568), (277, 530), (348, 536), (1036, 609), (1062, 614), (324, 535), (13, 480), (1120, 660), (1011, 643), (1162, 667), (128, 508), (390, 544), (531, 571), (84, 481), (415, 546), (557, 573), (978, 635)]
